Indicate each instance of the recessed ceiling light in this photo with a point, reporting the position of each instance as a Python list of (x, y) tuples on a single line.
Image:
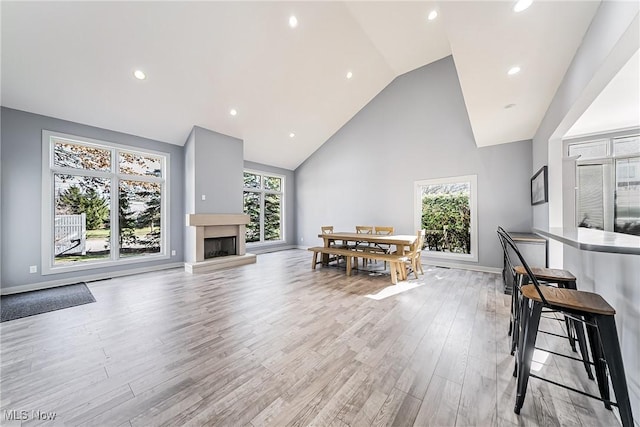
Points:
[(522, 5), (233, 111), (349, 74), (513, 70), (293, 21), (506, 107), (139, 74), (432, 15), (291, 135)]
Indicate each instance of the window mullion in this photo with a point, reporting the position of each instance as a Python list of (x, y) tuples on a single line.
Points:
[(262, 193), (140, 178), (262, 216), (96, 180), (81, 172), (115, 226)]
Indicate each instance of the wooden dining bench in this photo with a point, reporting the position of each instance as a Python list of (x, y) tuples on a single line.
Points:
[(396, 262)]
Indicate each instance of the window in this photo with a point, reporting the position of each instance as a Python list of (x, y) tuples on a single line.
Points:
[(103, 204), (608, 184), (446, 210), (263, 202)]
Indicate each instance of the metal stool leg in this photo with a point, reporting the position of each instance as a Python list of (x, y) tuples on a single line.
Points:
[(578, 331), (611, 348), (599, 361), (514, 296), (571, 333), (582, 342), (521, 281), (526, 346)]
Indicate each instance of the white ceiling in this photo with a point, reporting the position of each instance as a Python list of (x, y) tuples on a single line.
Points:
[(74, 61), (617, 106)]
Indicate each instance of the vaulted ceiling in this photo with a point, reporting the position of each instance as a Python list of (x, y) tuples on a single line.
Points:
[(75, 61)]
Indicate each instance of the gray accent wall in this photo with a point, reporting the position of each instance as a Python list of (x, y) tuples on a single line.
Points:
[(214, 165), (22, 194), (417, 128), (289, 208)]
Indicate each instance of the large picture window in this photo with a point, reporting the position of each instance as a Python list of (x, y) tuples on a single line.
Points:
[(446, 210), (264, 203), (608, 183), (102, 203)]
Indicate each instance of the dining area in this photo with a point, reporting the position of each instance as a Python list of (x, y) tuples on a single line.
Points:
[(370, 245), (576, 351)]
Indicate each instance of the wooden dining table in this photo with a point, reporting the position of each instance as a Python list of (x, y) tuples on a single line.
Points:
[(400, 241)]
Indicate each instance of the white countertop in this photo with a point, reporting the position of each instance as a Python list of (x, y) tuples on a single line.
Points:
[(589, 239)]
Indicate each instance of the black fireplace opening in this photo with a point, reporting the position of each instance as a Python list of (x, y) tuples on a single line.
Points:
[(215, 247)]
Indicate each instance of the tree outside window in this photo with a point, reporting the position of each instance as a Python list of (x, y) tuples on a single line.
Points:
[(88, 223), (263, 202), (446, 210)]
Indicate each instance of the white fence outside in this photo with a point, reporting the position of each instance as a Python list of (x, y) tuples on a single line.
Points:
[(70, 234)]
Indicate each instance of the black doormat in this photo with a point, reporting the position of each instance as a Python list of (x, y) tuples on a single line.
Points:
[(31, 303)]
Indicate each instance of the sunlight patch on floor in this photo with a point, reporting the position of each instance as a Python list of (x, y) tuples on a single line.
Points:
[(392, 290), (539, 359)]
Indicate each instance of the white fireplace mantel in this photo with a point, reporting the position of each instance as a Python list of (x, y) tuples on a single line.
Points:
[(202, 220), (217, 225)]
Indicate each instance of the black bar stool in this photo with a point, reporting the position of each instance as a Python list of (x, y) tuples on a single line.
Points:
[(586, 307), (561, 278)]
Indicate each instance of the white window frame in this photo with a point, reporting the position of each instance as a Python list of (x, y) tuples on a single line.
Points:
[(48, 202), (473, 196), (262, 192), (609, 163)]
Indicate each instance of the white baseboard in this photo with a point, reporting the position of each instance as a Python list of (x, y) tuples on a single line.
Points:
[(87, 278), (480, 268), (257, 250)]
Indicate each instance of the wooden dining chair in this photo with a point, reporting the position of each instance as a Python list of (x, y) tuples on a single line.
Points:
[(383, 230), (328, 229), (414, 261), (381, 247), (364, 229), (363, 246)]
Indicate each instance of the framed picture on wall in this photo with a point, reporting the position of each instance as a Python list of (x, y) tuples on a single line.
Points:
[(539, 187)]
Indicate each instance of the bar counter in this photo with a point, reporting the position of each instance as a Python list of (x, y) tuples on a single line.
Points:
[(589, 239), (608, 264)]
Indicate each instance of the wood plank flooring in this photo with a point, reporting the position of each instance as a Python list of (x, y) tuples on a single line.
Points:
[(275, 344)]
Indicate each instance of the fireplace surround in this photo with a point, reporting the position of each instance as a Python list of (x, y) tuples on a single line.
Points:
[(209, 226)]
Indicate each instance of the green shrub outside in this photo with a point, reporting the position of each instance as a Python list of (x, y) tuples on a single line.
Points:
[(447, 220)]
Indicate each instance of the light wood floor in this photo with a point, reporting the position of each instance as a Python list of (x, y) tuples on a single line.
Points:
[(276, 343)]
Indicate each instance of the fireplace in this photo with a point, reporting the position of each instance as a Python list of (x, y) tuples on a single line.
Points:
[(216, 241), (215, 247)]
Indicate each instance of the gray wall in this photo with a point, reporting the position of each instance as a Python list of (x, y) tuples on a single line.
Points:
[(213, 165), (416, 128), (22, 193), (612, 38), (190, 173), (289, 206), (217, 162)]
